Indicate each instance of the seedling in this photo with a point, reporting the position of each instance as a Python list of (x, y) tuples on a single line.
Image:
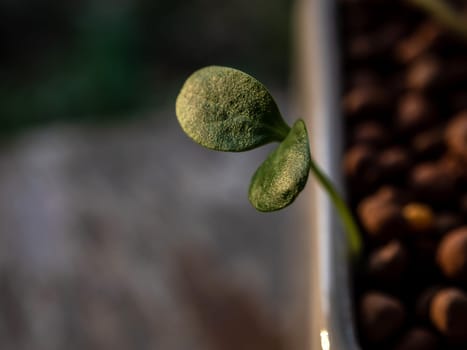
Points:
[(225, 109)]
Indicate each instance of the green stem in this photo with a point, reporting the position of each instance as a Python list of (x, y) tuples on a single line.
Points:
[(445, 14), (354, 236), (281, 129)]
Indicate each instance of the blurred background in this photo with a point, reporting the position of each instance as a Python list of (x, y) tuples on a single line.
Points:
[(117, 231)]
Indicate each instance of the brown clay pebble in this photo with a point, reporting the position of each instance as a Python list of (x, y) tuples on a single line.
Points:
[(424, 73), (361, 167), (418, 43), (392, 194), (382, 219), (372, 44), (423, 303), (372, 134), (456, 135), (429, 144), (360, 161), (452, 255), (405, 104), (419, 216), (418, 338), (364, 99), (433, 182), (448, 312), (414, 113), (394, 162), (381, 316), (388, 263), (455, 166)]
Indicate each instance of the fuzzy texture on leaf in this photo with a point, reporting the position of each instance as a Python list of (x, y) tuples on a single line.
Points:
[(282, 176), (225, 109)]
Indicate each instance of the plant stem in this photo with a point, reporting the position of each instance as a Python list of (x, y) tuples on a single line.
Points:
[(280, 131), (445, 14), (354, 236)]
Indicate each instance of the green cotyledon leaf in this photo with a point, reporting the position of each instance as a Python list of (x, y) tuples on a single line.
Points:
[(284, 173), (225, 109)]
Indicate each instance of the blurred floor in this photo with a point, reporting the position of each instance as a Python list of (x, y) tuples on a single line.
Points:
[(97, 225)]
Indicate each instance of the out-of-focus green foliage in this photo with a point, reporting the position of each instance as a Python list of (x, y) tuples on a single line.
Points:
[(101, 60), (94, 76)]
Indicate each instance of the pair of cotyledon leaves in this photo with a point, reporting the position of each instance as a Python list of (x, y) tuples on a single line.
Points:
[(225, 109)]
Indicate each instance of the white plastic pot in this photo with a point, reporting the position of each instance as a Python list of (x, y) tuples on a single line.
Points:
[(330, 320)]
